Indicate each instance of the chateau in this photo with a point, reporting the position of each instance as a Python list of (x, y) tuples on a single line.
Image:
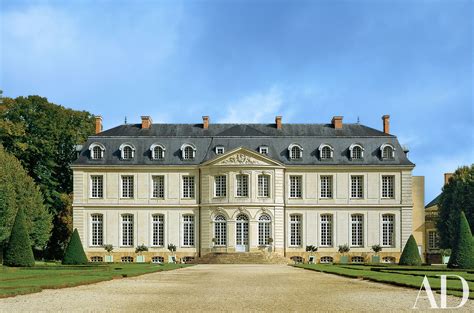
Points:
[(236, 188)]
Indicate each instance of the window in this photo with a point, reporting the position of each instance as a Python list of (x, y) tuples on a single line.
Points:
[(326, 186), (127, 186), (388, 151), (158, 228), (157, 259), (96, 259), (388, 230), (295, 230), (296, 151), (357, 152), (188, 230), (295, 186), (188, 152), (127, 259), (242, 185), (263, 150), (264, 229), (263, 185), (220, 231), (326, 259), (357, 259), (326, 152), (357, 187), (220, 150), (157, 152), (187, 259), (357, 230), (388, 259), (97, 186), (297, 259), (188, 187), (127, 151), (96, 151), (433, 240), (158, 186), (97, 230), (220, 186), (326, 230), (127, 230), (388, 184)]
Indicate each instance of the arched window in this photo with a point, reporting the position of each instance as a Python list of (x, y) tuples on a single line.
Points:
[(357, 151), (96, 151), (295, 230), (264, 230), (188, 151), (97, 230), (387, 151), (220, 230), (296, 151), (157, 151), (326, 152), (127, 151)]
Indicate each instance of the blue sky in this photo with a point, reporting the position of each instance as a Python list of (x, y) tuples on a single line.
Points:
[(247, 61)]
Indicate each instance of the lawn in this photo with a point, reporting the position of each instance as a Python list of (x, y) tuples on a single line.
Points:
[(411, 277), (16, 281)]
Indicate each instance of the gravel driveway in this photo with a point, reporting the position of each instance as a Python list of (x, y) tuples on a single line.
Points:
[(225, 287)]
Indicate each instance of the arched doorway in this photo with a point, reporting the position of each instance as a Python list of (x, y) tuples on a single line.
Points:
[(242, 233)]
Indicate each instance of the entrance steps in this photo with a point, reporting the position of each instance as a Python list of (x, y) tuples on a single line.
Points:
[(241, 258)]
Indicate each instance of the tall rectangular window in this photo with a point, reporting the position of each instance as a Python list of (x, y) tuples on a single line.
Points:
[(388, 230), (326, 230), (220, 186), (158, 186), (127, 186), (127, 230), (158, 227), (242, 184), (296, 186), (433, 239), (357, 187), (263, 185), (388, 185), (295, 230), (357, 230), (97, 229), (188, 230), (97, 186), (188, 187), (326, 186)]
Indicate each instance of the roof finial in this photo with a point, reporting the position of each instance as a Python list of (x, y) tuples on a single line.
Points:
[(125, 120)]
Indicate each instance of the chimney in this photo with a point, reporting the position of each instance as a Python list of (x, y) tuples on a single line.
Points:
[(278, 122), (386, 124), (98, 124), (205, 122), (146, 122), (447, 177), (337, 122)]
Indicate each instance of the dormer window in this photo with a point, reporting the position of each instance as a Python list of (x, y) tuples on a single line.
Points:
[(356, 152), (127, 151), (220, 150), (188, 151), (326, 152), (296, 151), (157, 152), (387, 151), (96, 151), (263, 150)]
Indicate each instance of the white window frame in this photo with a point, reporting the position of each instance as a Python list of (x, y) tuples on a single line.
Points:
[(351, 149), (295, 151), (188, 187), (122, 151), (382, 151), (158, 186), (220, 186), (220, 231), (433, 239), (357, 187), (264, 229), (263, 150), (91, 150), (357, 230), (185, 154), (263, 185), (96, 229), (326, 186), (158, 230), (387, 230), (153, 147), (220, 150), (295, 190), (189, 230), (97, 189), (130, 189), (127, 230), (296, 230), (387, 188), (326, 230), (326, 146), (242, 185)]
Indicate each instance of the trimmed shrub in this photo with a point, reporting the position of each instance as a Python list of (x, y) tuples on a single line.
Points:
[(462, 255), (19, 251), (410, 254), (74, 252)]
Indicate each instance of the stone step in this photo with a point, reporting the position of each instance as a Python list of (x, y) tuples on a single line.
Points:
[(241, 258)]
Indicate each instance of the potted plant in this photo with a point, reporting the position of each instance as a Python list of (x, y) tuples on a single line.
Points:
[(376, 257), (343, 249), (139, 250), (270, 243), (172, 257), (311, 249), (445, 255), (109, 248)]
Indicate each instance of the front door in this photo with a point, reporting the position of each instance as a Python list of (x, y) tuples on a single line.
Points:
[(242, 233)]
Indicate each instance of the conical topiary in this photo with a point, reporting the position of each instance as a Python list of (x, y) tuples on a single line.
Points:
[(18, 251), (462, 255), (75, 254), (410, 254)]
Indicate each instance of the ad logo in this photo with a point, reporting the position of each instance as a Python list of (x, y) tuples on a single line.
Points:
[(443, 304)]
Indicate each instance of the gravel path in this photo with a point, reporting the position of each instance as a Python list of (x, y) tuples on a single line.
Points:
[(225, 288)]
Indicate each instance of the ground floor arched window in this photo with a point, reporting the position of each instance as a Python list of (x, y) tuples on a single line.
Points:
[(264, 229), (220, 230)]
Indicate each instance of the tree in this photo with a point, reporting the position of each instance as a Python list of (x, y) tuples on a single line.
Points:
[(18, 190), (457, 196), (462, 255), (18, 251), (75, 254), (410, 254)]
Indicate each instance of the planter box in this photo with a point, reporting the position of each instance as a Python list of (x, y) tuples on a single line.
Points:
[(376, 259), (344, 259), (109, 258), (171, 259), (446, 259), (140, 259)]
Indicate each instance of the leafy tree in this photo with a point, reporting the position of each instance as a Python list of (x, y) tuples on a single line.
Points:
[(18, 251), (462, 255), (410, 254), (18, 190), (457, 196), (75, 252)]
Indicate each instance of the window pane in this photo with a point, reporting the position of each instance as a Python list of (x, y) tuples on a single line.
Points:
[(296, 186), (242, 182), (158, 226), (326, 230), (97, 229), (97, 186), (326, 186), (188, 230), (295, 230), (263, 185), (388, 184), (127, 230), (220, 186), (127, 186), (158, 186), (188, 186), (357, 187)]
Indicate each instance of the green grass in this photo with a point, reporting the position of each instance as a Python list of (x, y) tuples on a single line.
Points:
[(398, 275), (16, 281)]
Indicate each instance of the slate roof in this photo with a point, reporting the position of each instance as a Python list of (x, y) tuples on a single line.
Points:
[(250, 136), (433, 202)]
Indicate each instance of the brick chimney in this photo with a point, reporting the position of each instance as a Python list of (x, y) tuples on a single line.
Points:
[(386, 124), (337, 122), (278, 122), (447, 176), (98, 124), (205, 122), (146, 122)]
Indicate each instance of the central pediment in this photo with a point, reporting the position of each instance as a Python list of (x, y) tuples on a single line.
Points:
[(242, 156)]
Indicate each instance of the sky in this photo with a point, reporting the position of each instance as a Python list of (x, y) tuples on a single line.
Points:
[(248, 61)]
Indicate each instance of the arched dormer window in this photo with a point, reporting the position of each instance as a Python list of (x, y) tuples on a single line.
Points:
[(127, 151), (96, 151), (356, 151), (188, 151), (296, 151), (157, 151), (387, 151), (326, 152)]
